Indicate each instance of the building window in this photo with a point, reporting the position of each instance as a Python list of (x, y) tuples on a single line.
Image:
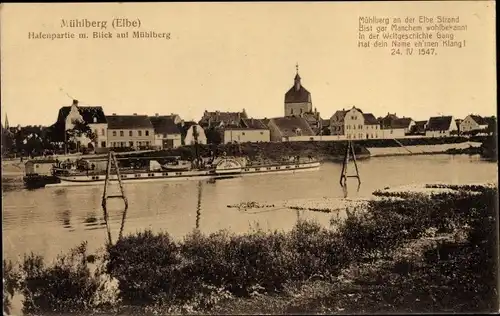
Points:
[(129, 133), (121, 133), (103, 144), (261, 133), (139, 133), (131, 144), (102, 132), (291, 111), (242, 133), (114, 133), (146, 133), (139, 144)]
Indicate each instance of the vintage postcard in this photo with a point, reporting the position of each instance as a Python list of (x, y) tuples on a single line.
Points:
[(249, 158)]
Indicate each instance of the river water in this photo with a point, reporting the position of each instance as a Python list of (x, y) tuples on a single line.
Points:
[(52, 220)]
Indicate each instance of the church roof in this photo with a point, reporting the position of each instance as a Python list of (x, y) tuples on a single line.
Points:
[(297, 93), (297, 96)]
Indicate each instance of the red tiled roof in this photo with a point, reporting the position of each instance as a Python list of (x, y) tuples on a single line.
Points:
[(164, 125), (370, 119), (439, 123), (290, 124), (225, 117), (479, 120), (253, 123), (128, 121)]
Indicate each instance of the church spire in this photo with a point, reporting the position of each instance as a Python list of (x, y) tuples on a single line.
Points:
[(297, 77), (6, 121)]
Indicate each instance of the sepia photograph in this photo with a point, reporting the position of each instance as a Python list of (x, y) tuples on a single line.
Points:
[(222, 158)]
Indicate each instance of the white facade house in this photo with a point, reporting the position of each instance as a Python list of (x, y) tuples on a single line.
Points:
[(473, 123), (188, 130), (246, 135), (166, 132), (441, 126), (93, 116), (354, 124)]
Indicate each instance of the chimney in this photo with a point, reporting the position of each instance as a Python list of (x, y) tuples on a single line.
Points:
[(135, 113), (114, 113), (156, 114), (75, 102)]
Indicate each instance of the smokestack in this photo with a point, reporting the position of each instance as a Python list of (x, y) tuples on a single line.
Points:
[(75, 102)]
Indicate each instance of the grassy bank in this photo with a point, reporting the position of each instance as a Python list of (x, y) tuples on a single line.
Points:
[(272, 150), (406, 252)]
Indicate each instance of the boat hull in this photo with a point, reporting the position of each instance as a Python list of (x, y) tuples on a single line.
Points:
[(157, 176)]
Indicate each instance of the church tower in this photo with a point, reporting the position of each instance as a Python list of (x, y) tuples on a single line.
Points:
[(297, 99), (6, 121)]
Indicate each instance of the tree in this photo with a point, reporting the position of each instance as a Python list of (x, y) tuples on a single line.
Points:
[(80, 128)]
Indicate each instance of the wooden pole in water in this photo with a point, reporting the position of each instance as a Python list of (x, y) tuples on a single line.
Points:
[(343, 175), (105, 196)]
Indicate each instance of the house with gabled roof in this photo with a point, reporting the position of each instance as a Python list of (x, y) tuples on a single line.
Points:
[(474, 123), (217, 119), (167, 133), (192, 132), (441, 126), (132, 131), (396, 127), (419, 128), (250, 130), (93, 116), (354, 124), (282, 128)]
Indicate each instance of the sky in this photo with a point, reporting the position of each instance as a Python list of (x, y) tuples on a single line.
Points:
[(234, 56)]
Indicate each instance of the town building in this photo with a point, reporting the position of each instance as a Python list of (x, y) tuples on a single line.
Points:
[(192, 132), (473, 123), (298, 102), (371, 124), (249, 130), (441, 126), (297, 98), (167, 134), (395, 127), (354, 124), (92, 116), (132, 131), (219, 119), (419, 128), (282, 128)]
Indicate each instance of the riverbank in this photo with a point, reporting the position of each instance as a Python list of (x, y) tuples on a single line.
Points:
[(453, 148), (400, 253)]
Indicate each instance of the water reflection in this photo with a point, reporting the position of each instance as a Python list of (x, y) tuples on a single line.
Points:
[(198, 206), (346, 192), (66, 219)]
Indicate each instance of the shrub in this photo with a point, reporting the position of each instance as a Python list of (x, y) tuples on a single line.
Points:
[(145, 266), (11, 279), (67, 286)]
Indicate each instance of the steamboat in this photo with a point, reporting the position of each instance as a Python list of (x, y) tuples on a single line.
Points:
[(220, 168)]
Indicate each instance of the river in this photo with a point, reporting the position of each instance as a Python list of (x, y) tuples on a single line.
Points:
[(52, 220)]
